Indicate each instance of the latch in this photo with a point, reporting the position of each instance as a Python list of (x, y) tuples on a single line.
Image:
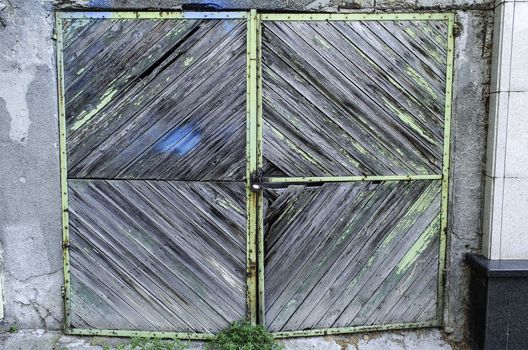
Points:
[(256, 180)]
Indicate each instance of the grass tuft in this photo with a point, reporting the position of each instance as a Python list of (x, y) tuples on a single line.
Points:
[(241, 335)]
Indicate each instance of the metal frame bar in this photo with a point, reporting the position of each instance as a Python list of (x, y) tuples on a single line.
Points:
[(449, 17), (272, 180), (143, 334), (354, 16), (445, 167), (251, 159), (357, 329), (260, 202), (66, 292), (150, 15)]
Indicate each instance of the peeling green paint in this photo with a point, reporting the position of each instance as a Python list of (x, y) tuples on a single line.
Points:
[(419, 246), (408, 120), (403, 225), (421, 81), (411, 33), (87, 115), (321, 42), (188, 61)]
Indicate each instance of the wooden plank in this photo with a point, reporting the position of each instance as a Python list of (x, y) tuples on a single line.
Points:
[(400, 64), (400, 299), (322, 79), (412, 224), (172, 106), (100, 268), (337, 272), (157, 255), (388, 278)]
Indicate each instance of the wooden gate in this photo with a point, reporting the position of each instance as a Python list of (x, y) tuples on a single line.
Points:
[(288, 169), (154, 129), (355, 140)]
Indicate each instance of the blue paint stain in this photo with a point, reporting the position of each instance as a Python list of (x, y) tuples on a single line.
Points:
[(229, 25), (219, 3), (99, 3), (181, 140)]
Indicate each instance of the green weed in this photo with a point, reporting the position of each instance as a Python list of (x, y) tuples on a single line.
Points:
[(13, 328), (241, 335)]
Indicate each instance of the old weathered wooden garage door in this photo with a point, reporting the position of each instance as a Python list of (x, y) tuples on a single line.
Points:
[(186, 135)]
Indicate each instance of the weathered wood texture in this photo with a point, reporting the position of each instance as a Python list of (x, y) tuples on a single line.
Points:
[(157, 255), (155, 99), (352, 254), (156, 134), (353, 98)]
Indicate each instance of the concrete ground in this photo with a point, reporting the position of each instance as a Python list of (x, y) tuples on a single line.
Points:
[(409, 340)]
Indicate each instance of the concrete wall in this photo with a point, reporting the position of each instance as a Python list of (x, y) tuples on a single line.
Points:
[(30, 227)]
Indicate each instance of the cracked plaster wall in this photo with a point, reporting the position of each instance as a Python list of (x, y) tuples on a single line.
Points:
[(30, 228)]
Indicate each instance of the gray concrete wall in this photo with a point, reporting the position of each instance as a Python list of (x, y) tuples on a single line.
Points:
[(30, 227), (404, 340)]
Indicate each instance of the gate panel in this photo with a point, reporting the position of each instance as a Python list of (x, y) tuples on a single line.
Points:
[(353, 98), (355, 155), (168, 119), (154, 166), (140, 97), (157, 255), (343, 255)]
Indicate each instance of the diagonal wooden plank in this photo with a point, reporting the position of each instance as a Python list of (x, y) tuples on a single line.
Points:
[(399, 120), (191, 103), (141, 282), (317, 73), (369, 41), (359, 232), (388, 278), (379, 79), (75, 30), (149, 264), (115, 106), (413, 45), (337, 272), (374, 80), (119, 57), (413, 223), (405, 290)]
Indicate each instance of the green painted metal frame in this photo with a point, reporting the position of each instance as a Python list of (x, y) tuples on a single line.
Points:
[(272, 180), (252, 166), (445, 165), (444, 176), (260, 208), (354, 16), (251, 162), (150, 15), (347, 330), (255, 239), (66, 289)]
